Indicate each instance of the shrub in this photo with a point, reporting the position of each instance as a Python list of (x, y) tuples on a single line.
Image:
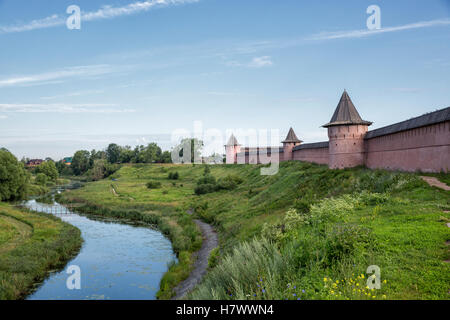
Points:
[(153, 184), (207, 179), (205, 188), (343, 239), (173, 175), (230, 182), (41, 179)]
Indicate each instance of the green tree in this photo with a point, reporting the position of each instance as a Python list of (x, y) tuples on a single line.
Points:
[(113, 153), (41, 179), (166, 157), (49, 169), (80, 162), (152, 153), (13, 177), (126, 154)]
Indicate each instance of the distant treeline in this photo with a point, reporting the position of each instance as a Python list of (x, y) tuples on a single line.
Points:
[(102, 163)]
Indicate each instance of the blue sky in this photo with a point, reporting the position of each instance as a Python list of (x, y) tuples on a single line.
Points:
[(138, 70)]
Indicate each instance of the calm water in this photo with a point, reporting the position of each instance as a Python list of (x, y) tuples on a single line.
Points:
[(117, 261)]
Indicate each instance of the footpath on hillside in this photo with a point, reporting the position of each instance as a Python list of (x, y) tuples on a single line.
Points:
[(201, 263), (434, 182)]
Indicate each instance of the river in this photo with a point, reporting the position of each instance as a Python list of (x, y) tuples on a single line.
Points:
[(116, 261)]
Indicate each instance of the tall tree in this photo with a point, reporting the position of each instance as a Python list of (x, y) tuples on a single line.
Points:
[(13, 177), (49, 169), (113, 153), (80, 162)]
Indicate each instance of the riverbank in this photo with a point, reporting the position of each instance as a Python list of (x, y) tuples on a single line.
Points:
[(294, 229), (126, 197), (31, 245)]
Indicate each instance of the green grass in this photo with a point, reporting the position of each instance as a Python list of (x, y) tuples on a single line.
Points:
[(31, 244), (345, 221)]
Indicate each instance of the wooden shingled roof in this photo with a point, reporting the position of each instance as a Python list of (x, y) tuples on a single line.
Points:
[(291, 137), (346, 113)]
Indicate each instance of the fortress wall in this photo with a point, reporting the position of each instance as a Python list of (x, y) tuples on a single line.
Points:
[(316, 155), (426, 148)]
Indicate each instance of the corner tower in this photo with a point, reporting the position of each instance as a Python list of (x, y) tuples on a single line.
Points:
[(346, 131), (232, 148), (289, 143)]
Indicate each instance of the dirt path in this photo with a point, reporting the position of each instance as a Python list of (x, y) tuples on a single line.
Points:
[(24, 232), (201, 263), (434, 182)]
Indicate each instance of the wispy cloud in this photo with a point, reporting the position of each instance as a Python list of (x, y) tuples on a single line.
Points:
[(73, 94), (365, 32), (105, 12), (256, 62), (63, 108), (59, 75)]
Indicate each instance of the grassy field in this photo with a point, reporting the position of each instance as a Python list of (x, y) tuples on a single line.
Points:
[(307, 232), (31, 244)]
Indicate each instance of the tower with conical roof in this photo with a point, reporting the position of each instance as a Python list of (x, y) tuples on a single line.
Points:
[(346, 131), (289, 143), (232, 148)]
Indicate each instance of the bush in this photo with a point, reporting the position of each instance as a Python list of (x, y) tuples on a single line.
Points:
[(41, 179), (173, 175), (49, 169), (153, 184), (207, 179), (230, 182), (205, 188), (343, 239)]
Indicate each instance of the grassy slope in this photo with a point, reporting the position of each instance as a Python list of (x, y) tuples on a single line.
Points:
[(30, 245), (409, 236)]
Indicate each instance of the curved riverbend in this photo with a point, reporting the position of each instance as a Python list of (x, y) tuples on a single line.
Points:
[(117, 260)]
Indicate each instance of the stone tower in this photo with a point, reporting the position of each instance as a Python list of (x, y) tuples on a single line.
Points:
[(346, 131), (232, 148), (289, 143)]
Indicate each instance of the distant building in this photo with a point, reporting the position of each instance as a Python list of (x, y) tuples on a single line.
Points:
[(421, 143), (34, 162), (67, 161)]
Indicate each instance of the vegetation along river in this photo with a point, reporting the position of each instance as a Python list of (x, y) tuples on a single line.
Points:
[(116, 261)]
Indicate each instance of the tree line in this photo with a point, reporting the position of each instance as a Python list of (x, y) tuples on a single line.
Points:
[(102, 163)]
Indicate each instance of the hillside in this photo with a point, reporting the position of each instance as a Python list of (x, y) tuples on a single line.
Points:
[(307, 232)]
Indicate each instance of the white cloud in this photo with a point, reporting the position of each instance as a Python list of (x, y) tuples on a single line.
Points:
[(62, 108), (365, 32), (73, 94), (65, 73), (256, 62), (259, 62), (105, 12)]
